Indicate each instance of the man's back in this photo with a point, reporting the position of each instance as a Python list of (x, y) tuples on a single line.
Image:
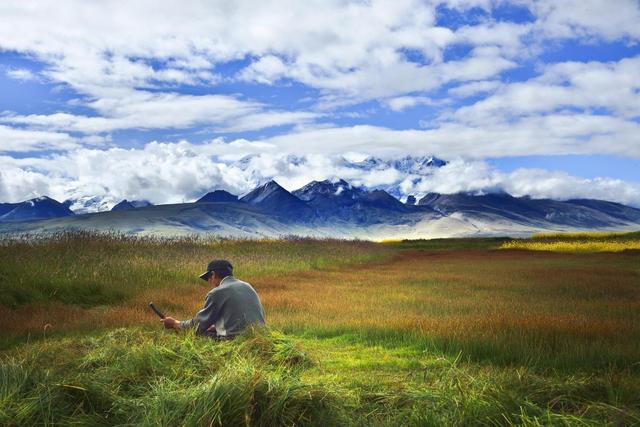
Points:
[(236, 306)]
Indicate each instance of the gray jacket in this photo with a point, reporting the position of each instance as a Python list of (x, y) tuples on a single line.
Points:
[(231, 307)]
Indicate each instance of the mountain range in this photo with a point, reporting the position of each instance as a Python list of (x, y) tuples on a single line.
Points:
[(412, 167), (328, 209)]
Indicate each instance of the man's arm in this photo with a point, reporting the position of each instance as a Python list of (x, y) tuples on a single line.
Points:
[(203, 320), (170, 323)]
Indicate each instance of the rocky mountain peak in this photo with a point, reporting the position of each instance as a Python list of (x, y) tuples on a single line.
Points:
[(218, 196)]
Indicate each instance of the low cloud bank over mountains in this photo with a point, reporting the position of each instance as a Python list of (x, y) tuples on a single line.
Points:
[(95, 180)]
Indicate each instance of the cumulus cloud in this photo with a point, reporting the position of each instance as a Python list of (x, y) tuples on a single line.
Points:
[(17, 184), (401, 103), (570, 85), (540, 183), (20, 140), (126, 73), (147, 110), (267, 69), (100, 48), (609, 20), (97, 46), (561, 133)]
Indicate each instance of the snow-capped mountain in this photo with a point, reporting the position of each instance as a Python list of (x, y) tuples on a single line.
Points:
[(273, 198), (253, 168), (335, 192), (33, 209), (327, 196), (254, 161), (90, 204), (407, 168), (131, 204), (408, 165)]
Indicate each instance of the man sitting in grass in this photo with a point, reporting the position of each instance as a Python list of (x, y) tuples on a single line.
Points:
[(230, 306)]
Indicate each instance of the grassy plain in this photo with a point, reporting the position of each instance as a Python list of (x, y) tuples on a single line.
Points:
[(441, 332)]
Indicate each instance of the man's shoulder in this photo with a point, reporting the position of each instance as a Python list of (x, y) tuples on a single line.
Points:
[(227, 283), (240, 282), (231, 281)]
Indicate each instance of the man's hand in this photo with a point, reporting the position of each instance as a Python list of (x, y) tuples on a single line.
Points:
[(170, 323)]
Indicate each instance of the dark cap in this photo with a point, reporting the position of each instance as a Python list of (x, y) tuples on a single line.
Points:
[(216, 264)]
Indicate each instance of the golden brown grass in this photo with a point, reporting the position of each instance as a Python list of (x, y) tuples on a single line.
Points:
[(560, 304)]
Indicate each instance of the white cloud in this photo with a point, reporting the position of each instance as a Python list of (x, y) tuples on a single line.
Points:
[(103, 53), (17, 184), (147, 110), (97, 48), (561, 133), (401, 103), (613, 86), (539, 183), (456, 176), (14, 139), (478, 177), (609, 20), (386, 73), (474, 88), (21, 74), (267, 69), (505, 35), (330, 45)]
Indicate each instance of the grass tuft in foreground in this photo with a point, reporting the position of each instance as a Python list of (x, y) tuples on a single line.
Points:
[(264, 378), (154, 378)]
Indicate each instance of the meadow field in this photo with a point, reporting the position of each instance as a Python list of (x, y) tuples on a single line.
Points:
[(439, 332)]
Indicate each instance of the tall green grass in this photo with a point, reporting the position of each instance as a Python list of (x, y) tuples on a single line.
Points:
[(264, 378), (137, 377)]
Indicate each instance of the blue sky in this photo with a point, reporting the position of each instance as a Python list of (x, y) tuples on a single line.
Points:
[(160, 101)]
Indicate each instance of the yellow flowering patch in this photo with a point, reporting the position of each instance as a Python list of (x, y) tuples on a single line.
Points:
[(577, 242)]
